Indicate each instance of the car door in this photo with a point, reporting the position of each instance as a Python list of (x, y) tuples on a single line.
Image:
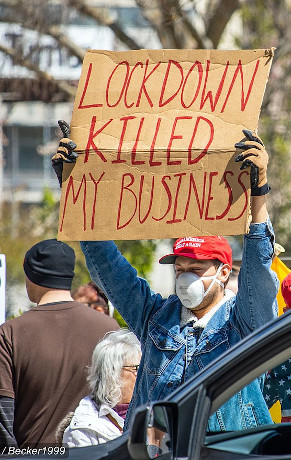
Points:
[(187, 410), (176, 428)]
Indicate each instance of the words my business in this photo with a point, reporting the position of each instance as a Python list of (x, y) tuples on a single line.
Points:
[(137, 201)]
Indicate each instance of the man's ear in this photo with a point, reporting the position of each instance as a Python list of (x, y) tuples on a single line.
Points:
[(224, 273)]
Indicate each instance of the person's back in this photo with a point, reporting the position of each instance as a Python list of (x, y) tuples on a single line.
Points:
[(44, 354)]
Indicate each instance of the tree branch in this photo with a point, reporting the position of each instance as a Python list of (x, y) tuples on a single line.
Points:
[(64, 41), (168, 9), (104, 19), (153, 15), (220, 18), (19, 59), (203, 42)]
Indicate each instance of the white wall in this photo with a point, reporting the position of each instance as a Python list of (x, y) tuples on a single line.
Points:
[(162, 276)]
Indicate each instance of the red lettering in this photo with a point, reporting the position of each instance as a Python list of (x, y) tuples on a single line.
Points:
[(75, 198), (128, 83), (133, 152), (141, 221), (95, 198), (161, 102), (210, 197), (205, 150), (81, 106), (200, 74), (91, 144), (152, 149), (209, 94), (245, 194), (230, 196), (143, 87), (169, 195), (115, 84), (126, 187), (172, 137), (174, 220), (200, 205), (125, 120), (244, 101)]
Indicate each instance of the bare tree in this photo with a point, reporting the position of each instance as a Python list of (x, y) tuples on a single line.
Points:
[(175, 23)]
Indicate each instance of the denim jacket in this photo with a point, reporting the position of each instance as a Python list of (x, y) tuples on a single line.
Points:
[(171, 353)]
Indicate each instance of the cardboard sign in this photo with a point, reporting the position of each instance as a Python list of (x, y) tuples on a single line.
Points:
[(155, 133)]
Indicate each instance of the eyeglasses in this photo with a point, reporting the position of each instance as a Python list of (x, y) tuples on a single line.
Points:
[(133, 367)]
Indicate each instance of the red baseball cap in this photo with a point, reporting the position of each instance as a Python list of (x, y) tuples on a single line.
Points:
[(286, 290), (201, 247)]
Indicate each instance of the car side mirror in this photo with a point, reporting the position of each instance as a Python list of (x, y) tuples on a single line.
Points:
[(151, 434)]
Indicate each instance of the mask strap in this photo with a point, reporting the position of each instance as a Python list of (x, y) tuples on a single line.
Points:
[(214, 280)]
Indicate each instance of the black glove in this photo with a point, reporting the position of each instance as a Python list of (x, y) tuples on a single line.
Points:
[(257, 158), (65, 152)]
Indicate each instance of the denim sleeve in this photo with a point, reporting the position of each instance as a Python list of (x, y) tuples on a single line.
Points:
[(129, 294), (258, 285)]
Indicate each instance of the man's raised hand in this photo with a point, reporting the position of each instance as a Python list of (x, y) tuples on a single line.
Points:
[(256, 157), (65, 152)]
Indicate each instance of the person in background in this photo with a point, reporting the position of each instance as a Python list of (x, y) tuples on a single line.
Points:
[(99, 417), (278, 381), (91, 295), (45, 351)]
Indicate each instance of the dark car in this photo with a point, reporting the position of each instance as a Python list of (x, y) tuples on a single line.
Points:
[(176, 428)]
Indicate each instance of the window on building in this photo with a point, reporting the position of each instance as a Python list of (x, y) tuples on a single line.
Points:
[(29, 139)]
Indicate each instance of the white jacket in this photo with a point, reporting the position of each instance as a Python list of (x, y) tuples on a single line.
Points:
[(90, 427)]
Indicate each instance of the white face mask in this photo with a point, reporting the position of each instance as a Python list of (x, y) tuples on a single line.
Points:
[(190, 288)]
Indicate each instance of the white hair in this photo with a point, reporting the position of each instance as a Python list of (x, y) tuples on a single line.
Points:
[(116, 349)]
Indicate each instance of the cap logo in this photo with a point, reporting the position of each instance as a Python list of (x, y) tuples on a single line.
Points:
[(188, 245), (192, 238)]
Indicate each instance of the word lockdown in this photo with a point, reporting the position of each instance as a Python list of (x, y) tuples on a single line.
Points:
[(128, 85)]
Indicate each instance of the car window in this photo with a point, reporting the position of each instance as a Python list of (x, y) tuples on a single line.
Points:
[(257, 419), (158, 433)]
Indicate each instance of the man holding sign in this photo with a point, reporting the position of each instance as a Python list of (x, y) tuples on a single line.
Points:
[(180, 335)]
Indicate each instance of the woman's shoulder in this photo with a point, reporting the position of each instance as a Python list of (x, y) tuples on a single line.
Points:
[(86, 407), (88, 416)]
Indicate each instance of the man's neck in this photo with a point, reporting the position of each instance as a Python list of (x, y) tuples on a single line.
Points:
[(201, 320), (57, 295), (205, 309)]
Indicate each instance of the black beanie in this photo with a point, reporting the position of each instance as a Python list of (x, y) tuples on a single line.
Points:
[(50, 263)]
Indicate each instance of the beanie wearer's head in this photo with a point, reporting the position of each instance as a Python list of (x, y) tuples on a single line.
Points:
[(50, 263)]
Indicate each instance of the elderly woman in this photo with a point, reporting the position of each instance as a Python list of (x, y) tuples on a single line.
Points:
[(112, 374)]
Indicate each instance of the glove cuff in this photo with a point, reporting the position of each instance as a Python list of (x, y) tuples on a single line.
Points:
[(58, 168), (258, 191)]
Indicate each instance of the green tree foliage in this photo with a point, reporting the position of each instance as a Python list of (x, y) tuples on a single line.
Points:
[(266, 24), (38, 222)]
